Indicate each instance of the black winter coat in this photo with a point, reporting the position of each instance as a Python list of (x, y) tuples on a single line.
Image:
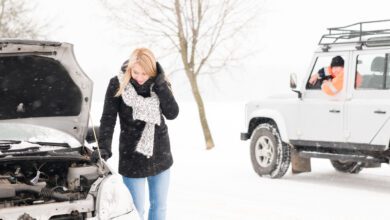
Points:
[(133, 164)]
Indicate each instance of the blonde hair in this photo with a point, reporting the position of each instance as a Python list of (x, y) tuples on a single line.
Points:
[(143, 57)]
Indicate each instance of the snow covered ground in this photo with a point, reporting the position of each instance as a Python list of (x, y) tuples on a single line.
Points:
[(220, 183)]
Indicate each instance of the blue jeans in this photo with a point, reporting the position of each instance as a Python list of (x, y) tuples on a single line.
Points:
[(158, 192)]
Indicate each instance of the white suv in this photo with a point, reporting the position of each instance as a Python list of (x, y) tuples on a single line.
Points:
[(351, 128)]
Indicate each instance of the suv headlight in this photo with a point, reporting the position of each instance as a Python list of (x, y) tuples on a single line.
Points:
[(114, 199)]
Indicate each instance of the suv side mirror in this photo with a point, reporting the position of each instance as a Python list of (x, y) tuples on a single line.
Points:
[(293, 84), (293, 81), (90, 138)]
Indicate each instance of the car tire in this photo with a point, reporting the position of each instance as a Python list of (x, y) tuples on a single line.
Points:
[(348, 166), (269, 155)]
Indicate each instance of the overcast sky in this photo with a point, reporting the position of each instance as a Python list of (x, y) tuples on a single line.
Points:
[(285, 35)]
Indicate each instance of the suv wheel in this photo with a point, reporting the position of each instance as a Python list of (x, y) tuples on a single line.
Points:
[(347, 166), (269, 155)]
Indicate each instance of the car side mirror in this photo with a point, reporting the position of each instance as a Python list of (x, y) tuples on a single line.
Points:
[(293, 81), (293, 84), (90, 138)]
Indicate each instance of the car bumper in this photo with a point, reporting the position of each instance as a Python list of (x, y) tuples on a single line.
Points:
[(128, 216), (46, 211)]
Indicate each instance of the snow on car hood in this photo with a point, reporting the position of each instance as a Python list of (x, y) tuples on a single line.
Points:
[(42, 84), (20, 146)]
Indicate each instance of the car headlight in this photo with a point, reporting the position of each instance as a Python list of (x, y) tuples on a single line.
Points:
[(114, 199)]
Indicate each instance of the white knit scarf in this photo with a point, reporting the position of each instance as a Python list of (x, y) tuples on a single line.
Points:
[(144, 109)]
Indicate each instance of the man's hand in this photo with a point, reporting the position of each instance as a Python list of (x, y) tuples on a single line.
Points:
[(313, 79)]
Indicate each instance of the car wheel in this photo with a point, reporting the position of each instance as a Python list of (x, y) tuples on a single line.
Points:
[(347, 166), (269, 155)]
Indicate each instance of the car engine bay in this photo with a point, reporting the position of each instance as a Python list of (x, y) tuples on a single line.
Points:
[(43, 180)]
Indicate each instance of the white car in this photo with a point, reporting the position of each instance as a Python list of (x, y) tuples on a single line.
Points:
[(46, 171), (352, 128)]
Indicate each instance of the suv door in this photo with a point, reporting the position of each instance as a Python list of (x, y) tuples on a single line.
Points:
[(368, 105), (321, 116)]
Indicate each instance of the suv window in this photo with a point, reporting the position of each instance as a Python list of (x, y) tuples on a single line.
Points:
[(321, 62), (374, 71)]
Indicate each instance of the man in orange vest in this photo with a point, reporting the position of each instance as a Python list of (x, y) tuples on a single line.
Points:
[(333, 77)]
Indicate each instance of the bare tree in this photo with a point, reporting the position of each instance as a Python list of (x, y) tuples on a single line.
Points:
[(16, 20), (201, 32)]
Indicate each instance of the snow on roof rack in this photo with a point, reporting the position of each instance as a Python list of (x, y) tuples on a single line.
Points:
[(358, 33)]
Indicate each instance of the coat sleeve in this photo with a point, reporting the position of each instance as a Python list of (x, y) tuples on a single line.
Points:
[(168, 104), (108, 119)]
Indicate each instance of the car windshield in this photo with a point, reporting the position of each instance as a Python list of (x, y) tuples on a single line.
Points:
[(18, 133)]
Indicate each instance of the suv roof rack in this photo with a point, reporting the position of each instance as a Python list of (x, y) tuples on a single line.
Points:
[(358, 33)]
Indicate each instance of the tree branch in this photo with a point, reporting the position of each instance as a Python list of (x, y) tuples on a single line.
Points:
[(182, 39)]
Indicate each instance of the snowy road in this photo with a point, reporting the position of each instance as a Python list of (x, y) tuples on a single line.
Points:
[(220, 184)]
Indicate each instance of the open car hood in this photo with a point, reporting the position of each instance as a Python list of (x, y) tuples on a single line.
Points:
[(42, 84)]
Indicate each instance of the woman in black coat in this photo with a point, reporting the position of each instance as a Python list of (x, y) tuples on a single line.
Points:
[(142, 97)]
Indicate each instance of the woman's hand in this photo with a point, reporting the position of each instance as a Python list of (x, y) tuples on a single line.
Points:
[(168, 104), (103, 153), (160, 78)]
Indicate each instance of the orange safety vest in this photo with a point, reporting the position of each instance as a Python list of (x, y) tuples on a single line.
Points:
[(332, 87), (335, 85)]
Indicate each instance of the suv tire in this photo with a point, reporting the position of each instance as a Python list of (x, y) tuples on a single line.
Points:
[(348, 166), (269, 155)]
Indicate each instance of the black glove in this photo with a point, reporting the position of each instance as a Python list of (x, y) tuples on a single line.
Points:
[(160, 77), (124, 66), (103, 153), (160, 82)]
